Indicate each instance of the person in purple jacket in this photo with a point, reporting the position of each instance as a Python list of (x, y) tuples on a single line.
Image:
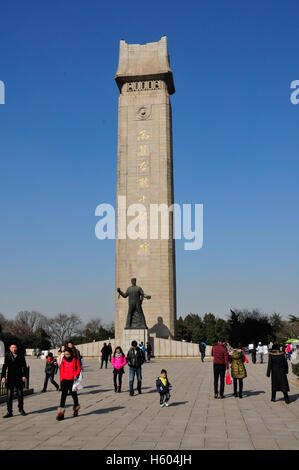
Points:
[(118, 362)]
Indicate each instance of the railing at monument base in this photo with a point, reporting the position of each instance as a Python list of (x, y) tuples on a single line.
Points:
[(3, 389)]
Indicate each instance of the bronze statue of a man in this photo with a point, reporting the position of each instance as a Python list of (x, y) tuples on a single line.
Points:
[(135, 318)]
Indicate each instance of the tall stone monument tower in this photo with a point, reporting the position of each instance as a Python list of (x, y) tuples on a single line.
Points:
[(145, 176)]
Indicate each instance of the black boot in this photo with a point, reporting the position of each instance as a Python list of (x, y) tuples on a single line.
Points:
[(8, 415), (273, 396), (286, 398), (119, 389), (139, 387)]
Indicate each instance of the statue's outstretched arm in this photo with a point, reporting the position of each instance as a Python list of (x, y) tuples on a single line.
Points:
[(123, 294), (143, 295)]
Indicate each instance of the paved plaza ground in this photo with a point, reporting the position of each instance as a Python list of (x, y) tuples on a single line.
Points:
[(194, 419)]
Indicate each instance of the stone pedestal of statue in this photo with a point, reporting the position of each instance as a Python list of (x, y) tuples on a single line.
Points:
[(130, 335)]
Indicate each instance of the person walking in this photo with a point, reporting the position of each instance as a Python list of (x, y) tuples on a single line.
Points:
[(278, 369), (60, 356), (253, 354), (76, 352), (289, 351), (135, 359), (163, 387), (70, 369), (118, 362), (109, 352), (260, 352), (148, 351), (143, 349), (220, 355), (202, 350), (238, 371), (50, 370), (13, 374), (104, 355)]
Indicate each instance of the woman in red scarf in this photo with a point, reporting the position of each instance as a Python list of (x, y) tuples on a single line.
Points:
[(70, 369)]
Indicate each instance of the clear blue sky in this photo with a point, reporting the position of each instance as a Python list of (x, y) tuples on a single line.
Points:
[(235, 150)]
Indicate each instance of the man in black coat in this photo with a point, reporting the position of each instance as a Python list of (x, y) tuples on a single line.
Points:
[(16, 368), (135, 359), (110, 352), (104, 355)]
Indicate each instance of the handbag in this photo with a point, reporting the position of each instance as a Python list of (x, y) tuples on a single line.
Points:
[(227, 378), (77, 385)]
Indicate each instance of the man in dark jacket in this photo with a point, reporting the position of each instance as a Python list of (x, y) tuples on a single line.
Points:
[(135, 359), (220, 355), (16, 368), (109, 352), (50, 370), (148, 351), (104, 355)]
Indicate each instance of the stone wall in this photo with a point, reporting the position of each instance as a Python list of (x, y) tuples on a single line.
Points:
[(161, 348)]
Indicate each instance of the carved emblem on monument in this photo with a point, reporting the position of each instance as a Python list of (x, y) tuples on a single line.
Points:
[(143, 112)]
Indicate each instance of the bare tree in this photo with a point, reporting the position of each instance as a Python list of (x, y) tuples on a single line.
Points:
[(291, 328), (62, 327), (30, 320), (2, 320), (93, 325)]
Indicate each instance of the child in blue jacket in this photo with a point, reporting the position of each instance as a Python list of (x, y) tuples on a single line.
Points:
[(163, 386)]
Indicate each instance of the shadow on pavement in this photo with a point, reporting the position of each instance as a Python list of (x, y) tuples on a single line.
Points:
[(94, 392), (248, 393), (293, 397), (44, 410), (92, 386), (176, 403), (103, 410)]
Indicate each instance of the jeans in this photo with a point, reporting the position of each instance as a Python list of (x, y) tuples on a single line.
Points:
[(51, 378), (10, 393), (66, 386), (203, 354), (261, 357), (134, 371), (163, 396), (219, 371)]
